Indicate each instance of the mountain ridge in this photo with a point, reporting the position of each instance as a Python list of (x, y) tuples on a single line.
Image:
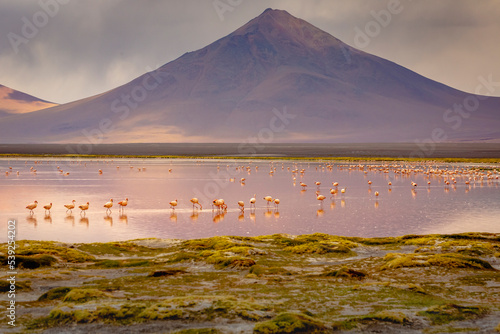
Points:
[(230, 90)]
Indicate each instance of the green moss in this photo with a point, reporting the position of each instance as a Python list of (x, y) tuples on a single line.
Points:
[(443, 314), (290, 323), (389, 316), (124, 248), (230, 262), (214, 243), (84, 295), (31, 261), (63, 251), (167, 272), (122, 263), (156, 312), (345, 272), (447, 260), (319, 248), (19, 285), (376, 241), (56, 293), (182, 256)]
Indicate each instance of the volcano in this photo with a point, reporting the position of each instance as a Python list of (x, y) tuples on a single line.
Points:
[(277, 78)]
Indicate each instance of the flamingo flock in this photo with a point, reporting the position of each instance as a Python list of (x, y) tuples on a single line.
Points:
[(450, 177)]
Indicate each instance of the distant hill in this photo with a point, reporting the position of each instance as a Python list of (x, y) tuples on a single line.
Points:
[(233, 89), (15, 102)]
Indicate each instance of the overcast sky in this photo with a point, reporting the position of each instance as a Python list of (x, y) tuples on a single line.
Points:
[(82, 48)]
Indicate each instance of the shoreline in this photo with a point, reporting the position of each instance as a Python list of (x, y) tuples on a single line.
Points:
[(300, 158), (265, 284), (381, 151)]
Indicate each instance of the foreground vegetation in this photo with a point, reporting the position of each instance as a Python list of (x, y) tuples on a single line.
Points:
[(269, 284)]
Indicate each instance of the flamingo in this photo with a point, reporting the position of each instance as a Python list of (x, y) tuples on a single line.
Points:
[(173, 204), (123, 204), (335, 184), (252, 201), (303, 185), (70, 207), (413, 184), (317, 183), (47, 207), (195, 201), (84, 207), (100, 171), (108, 205), (276, 202), (390, 183), (376, 194), (342, 191), (320, 198), (31, 206), (241, 204), (269, 199)]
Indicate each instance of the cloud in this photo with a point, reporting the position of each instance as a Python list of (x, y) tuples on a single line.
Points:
[(92, 46)]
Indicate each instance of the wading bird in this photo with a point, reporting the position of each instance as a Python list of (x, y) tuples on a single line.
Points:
[(47, 208), (252, 201), (123, 204), (84, 207), (195, 201), (31, 206), (108, 205), (276, 202), (70, 207), (269, 199), (241, 204), (173, 204)]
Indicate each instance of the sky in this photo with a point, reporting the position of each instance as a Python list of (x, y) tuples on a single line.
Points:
[(65, 50)]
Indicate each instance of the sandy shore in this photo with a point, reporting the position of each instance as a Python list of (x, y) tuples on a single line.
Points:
[(269, 284)]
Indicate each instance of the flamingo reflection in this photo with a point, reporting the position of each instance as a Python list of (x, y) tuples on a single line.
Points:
[(84, 221)]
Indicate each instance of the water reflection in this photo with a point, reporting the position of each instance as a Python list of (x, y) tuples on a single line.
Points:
[(218, 217), (152, 188), (70, 219), (123, 218), (84, 221), (194, 215), (108, 219), (31, 219)]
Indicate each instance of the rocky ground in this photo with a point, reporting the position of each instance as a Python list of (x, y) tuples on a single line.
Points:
[(270, 284)]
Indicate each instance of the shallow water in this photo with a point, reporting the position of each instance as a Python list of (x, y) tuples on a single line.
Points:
[(396, 211)]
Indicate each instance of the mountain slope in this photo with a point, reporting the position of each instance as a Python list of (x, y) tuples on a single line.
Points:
[(232, 90), (15, 102)]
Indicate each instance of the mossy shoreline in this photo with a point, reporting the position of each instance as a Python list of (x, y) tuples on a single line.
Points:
[(316, 283)]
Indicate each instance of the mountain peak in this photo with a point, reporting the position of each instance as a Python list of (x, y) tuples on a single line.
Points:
[(280, 25)]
